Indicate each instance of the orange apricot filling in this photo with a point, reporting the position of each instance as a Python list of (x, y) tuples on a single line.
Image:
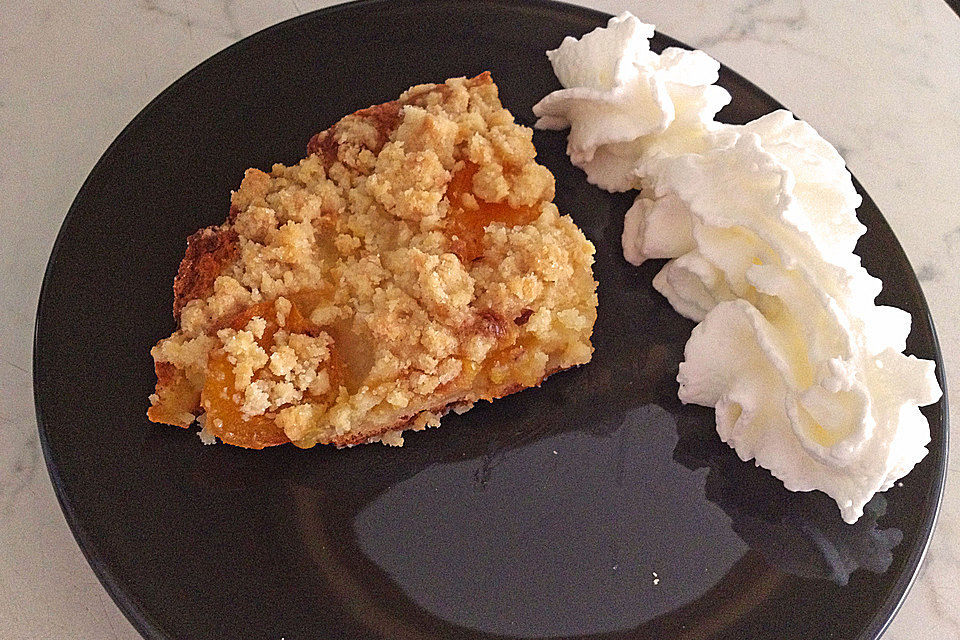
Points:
[(467, 223), (224, 418), (221, 400)]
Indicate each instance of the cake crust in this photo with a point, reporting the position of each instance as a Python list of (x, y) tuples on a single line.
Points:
[(209, 251)]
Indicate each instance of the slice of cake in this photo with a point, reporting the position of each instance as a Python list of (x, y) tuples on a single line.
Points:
[(413, 263)]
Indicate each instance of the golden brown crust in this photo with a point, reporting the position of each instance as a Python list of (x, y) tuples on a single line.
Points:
[(208, 252), (383, 118), (433, 413), (178, 399)]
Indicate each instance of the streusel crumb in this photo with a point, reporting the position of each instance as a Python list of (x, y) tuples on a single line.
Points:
[(413, 263)]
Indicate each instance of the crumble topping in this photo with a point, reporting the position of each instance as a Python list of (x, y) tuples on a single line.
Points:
[(412, 263)]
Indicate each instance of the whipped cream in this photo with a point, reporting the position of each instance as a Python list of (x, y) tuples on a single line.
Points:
[(759, 222), (623, 102)]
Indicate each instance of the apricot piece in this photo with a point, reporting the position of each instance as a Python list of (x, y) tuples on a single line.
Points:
[(221, 400), (224, 418), (294, 322), (466, 225)]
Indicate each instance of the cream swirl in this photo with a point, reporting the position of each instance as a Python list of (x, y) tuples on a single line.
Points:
[(623, 102), (805, 371), (759, 222)]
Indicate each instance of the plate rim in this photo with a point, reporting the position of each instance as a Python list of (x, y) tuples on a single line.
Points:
[(138, 615)]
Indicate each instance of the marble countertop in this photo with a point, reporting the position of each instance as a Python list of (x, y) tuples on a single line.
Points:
[(881, 84)]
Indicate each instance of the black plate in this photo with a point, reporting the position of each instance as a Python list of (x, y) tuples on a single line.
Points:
[(595, 506)]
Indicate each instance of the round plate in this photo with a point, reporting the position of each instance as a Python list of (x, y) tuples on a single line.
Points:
[(595, 506)]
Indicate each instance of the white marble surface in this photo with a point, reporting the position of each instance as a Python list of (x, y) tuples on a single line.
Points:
[(881, 83)]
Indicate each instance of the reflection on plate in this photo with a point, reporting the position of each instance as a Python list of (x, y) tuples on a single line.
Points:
[(795, 533), (450, 557)]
